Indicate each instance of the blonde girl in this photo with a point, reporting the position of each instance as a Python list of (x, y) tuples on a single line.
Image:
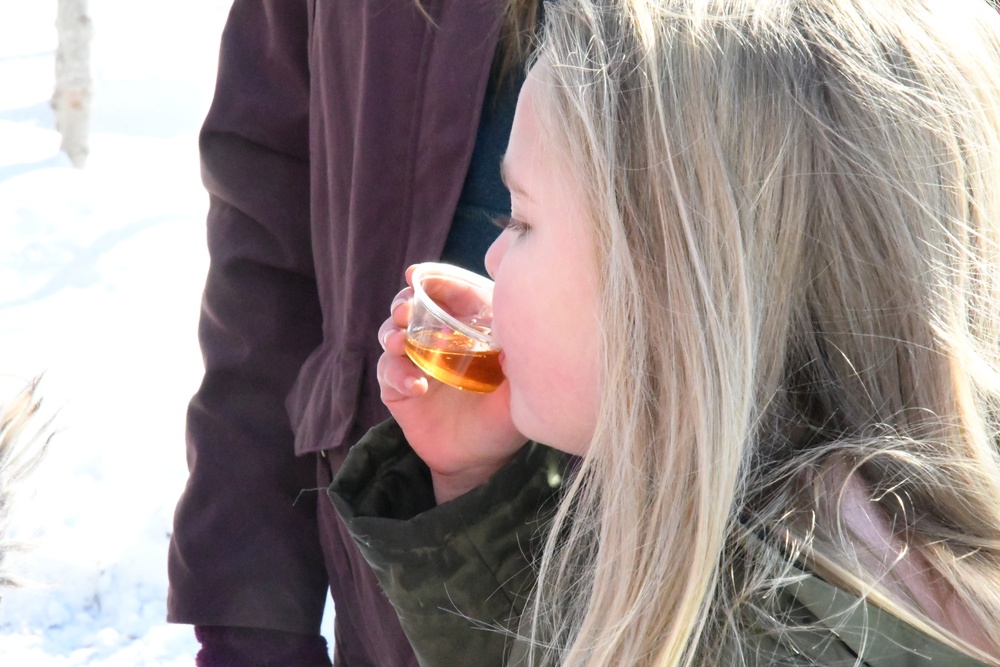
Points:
[(751, 281)]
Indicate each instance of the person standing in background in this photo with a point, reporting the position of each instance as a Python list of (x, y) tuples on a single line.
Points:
[(345, 142)]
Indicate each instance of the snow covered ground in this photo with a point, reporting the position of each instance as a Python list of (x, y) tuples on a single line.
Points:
[(100, 277)]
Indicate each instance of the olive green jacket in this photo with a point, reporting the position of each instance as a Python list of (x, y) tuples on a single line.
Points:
[(458, 574)]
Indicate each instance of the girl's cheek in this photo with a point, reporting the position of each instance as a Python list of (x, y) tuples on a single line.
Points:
[(500, 310)]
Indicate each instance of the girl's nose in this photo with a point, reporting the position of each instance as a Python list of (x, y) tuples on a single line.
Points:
[(495, 254)]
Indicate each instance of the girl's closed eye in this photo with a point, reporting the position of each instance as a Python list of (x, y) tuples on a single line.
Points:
[(506, 222)]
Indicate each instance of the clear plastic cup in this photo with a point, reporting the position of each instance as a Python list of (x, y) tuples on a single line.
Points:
[(450, 324)]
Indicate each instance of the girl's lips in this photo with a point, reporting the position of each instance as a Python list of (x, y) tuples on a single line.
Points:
[(500, 358)]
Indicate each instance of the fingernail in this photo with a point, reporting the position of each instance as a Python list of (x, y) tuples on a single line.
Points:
[(409, 382)]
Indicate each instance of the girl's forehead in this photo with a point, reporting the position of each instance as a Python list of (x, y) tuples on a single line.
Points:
[(523, 148)]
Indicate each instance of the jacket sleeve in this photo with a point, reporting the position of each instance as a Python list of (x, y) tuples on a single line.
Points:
[(245, 549), (458, 574)]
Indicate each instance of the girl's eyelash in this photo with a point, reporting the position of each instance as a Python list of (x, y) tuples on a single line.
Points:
[(513, 224)]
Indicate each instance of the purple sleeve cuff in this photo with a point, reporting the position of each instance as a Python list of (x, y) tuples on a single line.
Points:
[(256, 647)]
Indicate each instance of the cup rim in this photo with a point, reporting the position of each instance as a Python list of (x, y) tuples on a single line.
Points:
[(450, 271)]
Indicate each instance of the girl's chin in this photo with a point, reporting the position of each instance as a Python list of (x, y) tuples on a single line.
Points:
[(522, 419), (544, 433)]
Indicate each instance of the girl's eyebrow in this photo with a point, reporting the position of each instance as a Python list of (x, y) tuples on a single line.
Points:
[(510, 184)]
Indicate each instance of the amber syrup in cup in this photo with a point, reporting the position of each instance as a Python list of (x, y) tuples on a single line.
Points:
[(449, 333), (456, 360)]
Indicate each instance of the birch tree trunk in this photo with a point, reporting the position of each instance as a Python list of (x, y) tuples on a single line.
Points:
[(71, 101)]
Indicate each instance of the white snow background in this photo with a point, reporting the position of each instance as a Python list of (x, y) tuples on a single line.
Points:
[(101, 271)]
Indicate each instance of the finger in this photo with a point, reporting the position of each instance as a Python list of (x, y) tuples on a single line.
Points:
[(388, 382), (388, 328), (395, 342), (409, 273), (405, 294), (399, 378), (401, 311), (420, 386)]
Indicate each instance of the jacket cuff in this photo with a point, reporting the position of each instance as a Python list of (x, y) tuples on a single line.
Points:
[(458, 568), (384, 493), (258, 647)]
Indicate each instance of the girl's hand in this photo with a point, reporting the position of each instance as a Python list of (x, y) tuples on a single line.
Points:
[(463, 437)]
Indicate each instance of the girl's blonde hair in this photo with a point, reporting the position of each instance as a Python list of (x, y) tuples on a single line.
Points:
[(796, 207)]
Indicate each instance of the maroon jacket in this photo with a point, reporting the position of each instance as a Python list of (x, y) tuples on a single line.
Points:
[(334, 153)]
